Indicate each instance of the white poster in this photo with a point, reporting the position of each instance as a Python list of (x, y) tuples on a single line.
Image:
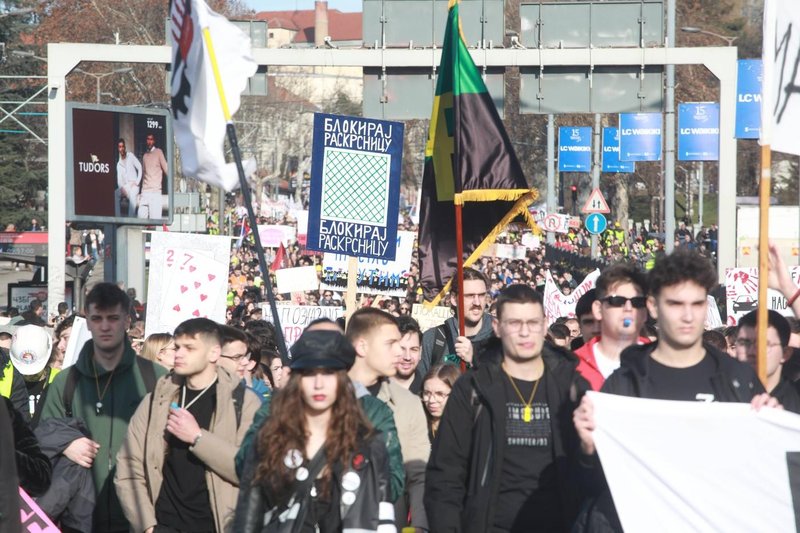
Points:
[(375, 276), (557, 304), (188, 279), (295, 318), (741, 293), (510, 251), (430, 318), (77, 338), (298, 279), (697, 466)]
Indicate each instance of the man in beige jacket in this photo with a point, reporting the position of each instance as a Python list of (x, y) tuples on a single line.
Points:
[(376, 338), (176, 469)]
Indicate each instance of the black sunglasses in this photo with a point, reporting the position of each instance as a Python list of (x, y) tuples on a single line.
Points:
[(637, 302)]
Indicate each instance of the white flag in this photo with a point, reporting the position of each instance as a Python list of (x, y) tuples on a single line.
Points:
[(196, 106), (697, 466), (780, 93)]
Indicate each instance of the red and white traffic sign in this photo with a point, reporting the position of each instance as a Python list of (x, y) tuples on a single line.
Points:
[(556, 222), (596, 203)]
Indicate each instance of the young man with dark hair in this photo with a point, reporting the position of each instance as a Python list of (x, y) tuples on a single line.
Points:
[(186, 481), (620, 309), (410, 342), (677, 367), (103, 388), (376, 339), (444, 344), (589, 326), (503, 456), (778, 352)]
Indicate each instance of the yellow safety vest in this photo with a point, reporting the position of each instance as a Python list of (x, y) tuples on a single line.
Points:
[(5, 381)]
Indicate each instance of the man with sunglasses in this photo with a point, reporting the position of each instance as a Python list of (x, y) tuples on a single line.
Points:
[(620, 310)]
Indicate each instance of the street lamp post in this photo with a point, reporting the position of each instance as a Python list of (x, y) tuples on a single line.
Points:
[(99, 77), (726, 38)]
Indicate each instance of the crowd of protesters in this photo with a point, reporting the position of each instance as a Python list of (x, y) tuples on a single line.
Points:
[(372, 425)]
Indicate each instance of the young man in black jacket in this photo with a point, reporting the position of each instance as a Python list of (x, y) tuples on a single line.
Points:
[(677, 367), (504, 455)]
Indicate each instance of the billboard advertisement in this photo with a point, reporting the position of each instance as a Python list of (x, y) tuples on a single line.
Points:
[(574, 149), (698, 132), (119, 164)]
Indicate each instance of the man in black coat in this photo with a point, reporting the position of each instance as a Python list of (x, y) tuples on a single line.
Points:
[(504, 457), (676, 367)]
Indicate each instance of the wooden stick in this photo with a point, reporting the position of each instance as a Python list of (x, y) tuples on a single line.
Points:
[(460, 278), (763, 261), (352, 288)]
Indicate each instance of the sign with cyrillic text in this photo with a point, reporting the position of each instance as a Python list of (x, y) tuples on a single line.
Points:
[(296, 318), (355, 186)]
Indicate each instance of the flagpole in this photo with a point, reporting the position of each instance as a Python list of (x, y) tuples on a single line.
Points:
[(237, 156), (460, 278), (763, 261)]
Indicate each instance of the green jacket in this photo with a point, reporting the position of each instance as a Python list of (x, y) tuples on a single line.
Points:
[(109, 428), (380, 416)]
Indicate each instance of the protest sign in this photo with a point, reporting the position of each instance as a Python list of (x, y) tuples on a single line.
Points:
[(430, 318), (507, 251), (295, 318), (33, 519), (272, 235), (556, 304), (375, 276), (188, 279), (297, 279), (355, 155), (669, 464), (77, 338), (301, 216), (741, 293), (531, 241)]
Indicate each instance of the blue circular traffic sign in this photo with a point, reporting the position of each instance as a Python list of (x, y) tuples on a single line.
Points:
[(596, 223)]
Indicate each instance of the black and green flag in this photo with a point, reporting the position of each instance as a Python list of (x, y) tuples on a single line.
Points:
[(468, 151)]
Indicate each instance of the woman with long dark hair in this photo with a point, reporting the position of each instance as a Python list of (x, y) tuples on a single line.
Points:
[(436, 387), (317, 464)]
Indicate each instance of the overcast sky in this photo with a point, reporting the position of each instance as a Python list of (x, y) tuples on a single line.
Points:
[(288, 5)]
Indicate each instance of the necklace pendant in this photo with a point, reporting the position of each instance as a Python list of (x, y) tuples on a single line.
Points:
[(98, 407), (527, 413)]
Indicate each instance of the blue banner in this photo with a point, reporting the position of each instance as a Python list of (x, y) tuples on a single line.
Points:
[(574, 149), (640, 137), (748, 99), (611, 162), (355, 186), (698, 132)]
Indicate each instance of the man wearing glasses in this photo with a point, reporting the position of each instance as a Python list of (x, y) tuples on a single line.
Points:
[(620, 309), (505, 446), (778, 352)]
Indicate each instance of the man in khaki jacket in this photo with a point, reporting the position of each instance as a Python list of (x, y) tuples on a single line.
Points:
[(376, 339), (176, 468)]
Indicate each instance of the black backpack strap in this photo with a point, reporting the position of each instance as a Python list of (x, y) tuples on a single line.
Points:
[(148, 373), (448, 335), (238, 402), (442, 342), (69, 390)]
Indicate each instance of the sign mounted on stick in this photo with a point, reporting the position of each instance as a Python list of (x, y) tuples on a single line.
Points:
[(355, 186)]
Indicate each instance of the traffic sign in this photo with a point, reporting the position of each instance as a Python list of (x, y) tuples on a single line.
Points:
[(596, 203), (556, 222), (596, 223)]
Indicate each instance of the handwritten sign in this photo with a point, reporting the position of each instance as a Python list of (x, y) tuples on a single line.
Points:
[(430, 318), (295, 318), (557, 304)]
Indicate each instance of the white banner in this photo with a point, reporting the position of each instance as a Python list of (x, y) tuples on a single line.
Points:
[(375, 276), (509, 251), (556, 304), (741, 293), (188, 279), (77, 338), (298, 279), (780, 88), (696, 466), (295, 318)]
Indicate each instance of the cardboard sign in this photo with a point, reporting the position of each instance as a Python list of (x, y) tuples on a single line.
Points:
[(295, 318), (188, 279), (375, 276), (557, 304), (430, 318), (355, 186), (297, 279), (741, 293)]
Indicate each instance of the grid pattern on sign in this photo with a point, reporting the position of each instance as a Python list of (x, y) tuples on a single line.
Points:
[(356, 187)]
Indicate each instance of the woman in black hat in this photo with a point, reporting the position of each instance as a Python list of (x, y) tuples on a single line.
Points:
[(318, 464)]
